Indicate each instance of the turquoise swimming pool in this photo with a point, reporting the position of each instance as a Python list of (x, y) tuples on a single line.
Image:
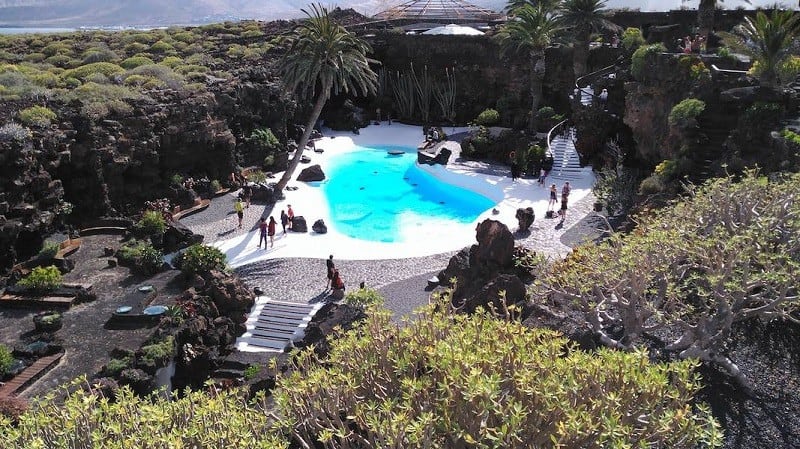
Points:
[(376, 196)]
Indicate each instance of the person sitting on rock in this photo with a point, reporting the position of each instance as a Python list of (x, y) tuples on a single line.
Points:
[(337, 284)]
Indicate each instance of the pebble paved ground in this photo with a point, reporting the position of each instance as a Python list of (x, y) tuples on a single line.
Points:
[(401, 281)]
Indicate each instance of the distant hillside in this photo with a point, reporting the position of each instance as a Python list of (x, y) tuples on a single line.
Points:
[(75, 13)]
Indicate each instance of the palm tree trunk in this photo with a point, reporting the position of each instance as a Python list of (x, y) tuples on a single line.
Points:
[(537, 79), (581, 54), (322, 98), (705, 15)]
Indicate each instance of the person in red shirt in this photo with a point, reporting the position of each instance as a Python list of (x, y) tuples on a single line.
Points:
[(290, 213), (270, 232)]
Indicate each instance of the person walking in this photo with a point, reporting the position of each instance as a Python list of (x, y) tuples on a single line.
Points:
[(290, 215), (270, 232), (238, 207), (512, 161), (564, 199), (330, 268), (262, 226), (284, 220), (553, 197)]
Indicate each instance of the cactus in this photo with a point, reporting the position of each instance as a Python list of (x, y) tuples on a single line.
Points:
[(445, 94)]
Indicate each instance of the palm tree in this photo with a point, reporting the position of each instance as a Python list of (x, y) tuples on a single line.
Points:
[(770, 38), (705, 14), (582, 18), (529, 33), (323, 57), (515, 4)]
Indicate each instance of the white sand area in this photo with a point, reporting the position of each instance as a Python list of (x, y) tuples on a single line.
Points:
[(434, 237)]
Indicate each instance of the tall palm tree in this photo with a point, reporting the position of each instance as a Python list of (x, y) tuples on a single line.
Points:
[(529, 33), (770, 38), (582, 18), (323, 57), (705, 14), (546, 4)]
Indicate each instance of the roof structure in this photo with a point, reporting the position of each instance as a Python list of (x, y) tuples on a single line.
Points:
[(438, 10)]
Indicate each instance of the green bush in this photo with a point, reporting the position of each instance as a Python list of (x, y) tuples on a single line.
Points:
[(788, 69), (652, 185), (49, 250), (256, 176), (201, 259), (265, 138), (192, 419), (37, 116), (135, 61), (454, 380), (252, 371), (791, 136), (152, 222), (60, 61), (159, 353), (488, 117), (115, 366), (639, 60), (184, 69), (106, 68), (162, 47), (632, 39), (6, 360), (216, 186), (136, 47), (686, 112), (42, 279), (363, 297), (141, 256), (99, 55), (171, 61)]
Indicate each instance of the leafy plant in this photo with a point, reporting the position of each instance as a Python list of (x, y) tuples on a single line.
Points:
[(488, 117), (216, 186), (640, 61), (6, 360), (14, 132), (159, 353), (201, 258), (265, 138), (115, 366), (632, 39), (37, 116), (685, 113), (42, 279), (141, 256), (455, 380), (192, 419), (252, 371), (256, 176), (49, 250), (106, 68), (152, 222), (363, 298)]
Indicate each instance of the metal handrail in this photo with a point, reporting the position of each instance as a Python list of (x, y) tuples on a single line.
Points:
[(596, 73), (550, 134)]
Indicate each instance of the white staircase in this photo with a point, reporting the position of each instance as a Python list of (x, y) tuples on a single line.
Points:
[(587, 95), (566, 162)]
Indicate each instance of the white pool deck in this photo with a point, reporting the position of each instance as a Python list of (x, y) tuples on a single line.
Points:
[(417, 239)]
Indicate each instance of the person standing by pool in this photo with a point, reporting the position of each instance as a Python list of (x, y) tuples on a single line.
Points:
[(512, 161), (238, 207), (564, 199), (284, 220), (262, 226), (270, 232), (553, 197), (290, 214), (330, 268)]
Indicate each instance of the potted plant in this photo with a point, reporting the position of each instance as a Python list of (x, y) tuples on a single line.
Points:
[(49, 321)]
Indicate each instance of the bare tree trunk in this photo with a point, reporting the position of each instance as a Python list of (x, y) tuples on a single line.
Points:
[(580, 57), (537, 79), (301, 145)]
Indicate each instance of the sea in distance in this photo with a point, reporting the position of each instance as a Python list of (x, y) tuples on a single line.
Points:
[(27, 30)]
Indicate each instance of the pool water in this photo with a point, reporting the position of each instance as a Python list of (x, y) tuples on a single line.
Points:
[(380, 197)]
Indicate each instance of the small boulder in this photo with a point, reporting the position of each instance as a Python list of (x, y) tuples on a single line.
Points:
[(319, 227), (525, 218), (299, 224), (312, 173)]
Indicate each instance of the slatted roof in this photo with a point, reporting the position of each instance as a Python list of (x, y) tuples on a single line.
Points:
[(438, 10)]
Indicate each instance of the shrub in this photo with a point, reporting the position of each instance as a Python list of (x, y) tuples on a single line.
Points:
[(106, 68), (725, 53), (488, 117), (265, 138), (184, 69), (94, 92), (159, 353), (252, 371), (639, 60), (37, 116), (791, 136), (632, 39), (136, 47), (484, 382), (160, 74), (42, 279), (34, 57), (141, 256), (363, 298), (115, 366), (185, 37), (223, 419), (99, 55), (788, 69), (162, 47), (135, 61), (171, 61), (152, 222), (686, 112), (14, 132), (60, 61), (652, 185), (49, 250), (6, 360), (201, 258), (216, 186)]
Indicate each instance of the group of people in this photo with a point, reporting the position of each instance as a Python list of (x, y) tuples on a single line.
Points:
[(565, 190), (335, 282), (267, 228), (689, 45)]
